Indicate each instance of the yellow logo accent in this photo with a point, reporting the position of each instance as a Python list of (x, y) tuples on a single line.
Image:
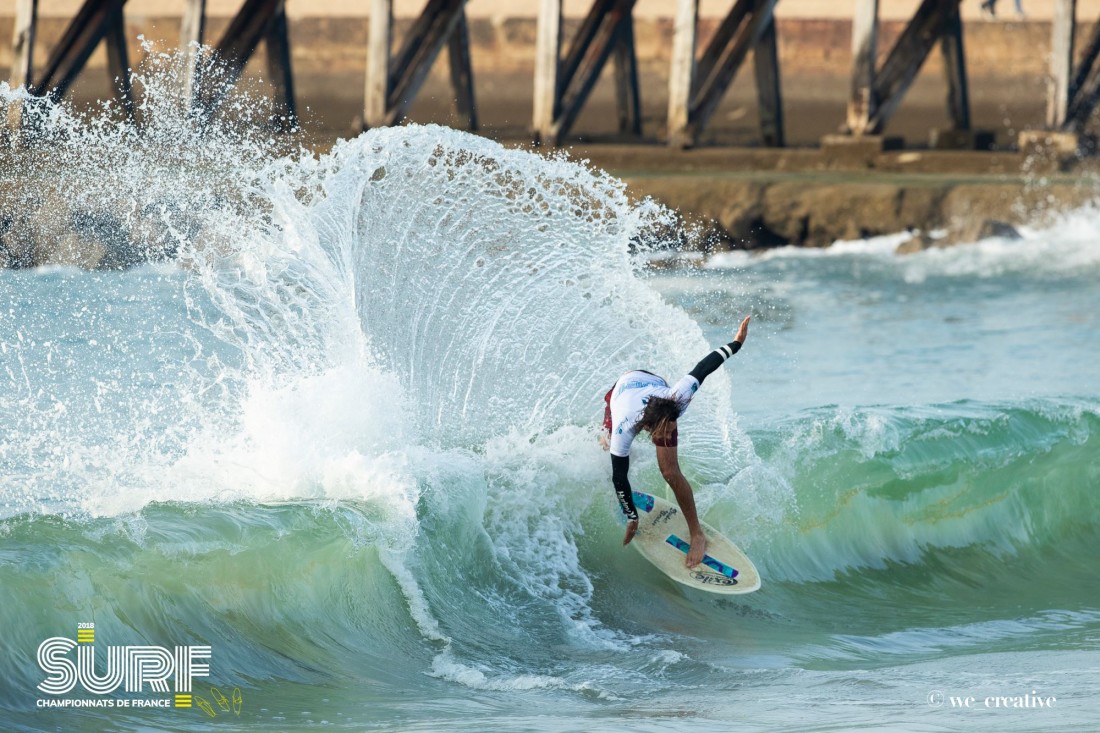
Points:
[(85, 636), (183, 701), (219, 698), (206, 707)]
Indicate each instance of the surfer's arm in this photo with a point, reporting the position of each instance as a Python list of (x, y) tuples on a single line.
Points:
[(718, 357), (620, 466)]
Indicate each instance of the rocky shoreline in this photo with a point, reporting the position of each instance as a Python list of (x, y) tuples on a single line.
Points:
[(731, 199), (815, 211), (752, 199)]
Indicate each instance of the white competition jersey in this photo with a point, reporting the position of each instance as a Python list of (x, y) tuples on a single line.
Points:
[(630, 396)]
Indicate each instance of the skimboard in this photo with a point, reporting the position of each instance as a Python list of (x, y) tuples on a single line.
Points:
[(664, 540)]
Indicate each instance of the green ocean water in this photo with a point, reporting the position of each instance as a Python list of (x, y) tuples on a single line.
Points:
[(346, 441)]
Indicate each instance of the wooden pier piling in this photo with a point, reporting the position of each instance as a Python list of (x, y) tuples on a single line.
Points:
[(96, 21), (696, 86), (22, 56), (875, 95), (394, 81), (563, 84), (1075, 91), (257, 21), (568, 66)]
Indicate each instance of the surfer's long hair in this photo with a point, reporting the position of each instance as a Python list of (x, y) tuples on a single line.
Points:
[(659, 417)]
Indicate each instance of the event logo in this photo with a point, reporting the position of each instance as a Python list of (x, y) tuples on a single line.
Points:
[(166, 673)]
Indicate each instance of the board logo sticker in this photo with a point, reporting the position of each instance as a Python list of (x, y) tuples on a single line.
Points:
[(708, 578), (643, 501), (664, 516), (726, 572)]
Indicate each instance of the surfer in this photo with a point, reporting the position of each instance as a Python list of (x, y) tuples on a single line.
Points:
[(641, 400)]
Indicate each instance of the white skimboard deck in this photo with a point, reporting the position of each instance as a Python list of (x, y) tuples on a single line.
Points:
[(664, 540)]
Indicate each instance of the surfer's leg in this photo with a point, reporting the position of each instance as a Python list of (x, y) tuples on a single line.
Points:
[(669, 463)]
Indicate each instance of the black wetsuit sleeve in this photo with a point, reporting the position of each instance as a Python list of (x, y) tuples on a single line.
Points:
[(714, 359), (620, 465)]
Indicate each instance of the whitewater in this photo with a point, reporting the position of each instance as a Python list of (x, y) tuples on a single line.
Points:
[(341, 429)]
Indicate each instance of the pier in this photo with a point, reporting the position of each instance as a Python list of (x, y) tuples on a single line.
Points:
[(569, 56)]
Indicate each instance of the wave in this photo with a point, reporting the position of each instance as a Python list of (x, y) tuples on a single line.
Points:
[(985, 513), (385, 363), (1064, 248), (351, 436), (980, 516)]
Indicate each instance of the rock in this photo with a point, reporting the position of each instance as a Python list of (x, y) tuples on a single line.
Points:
[(71, 250), (15, 247), (975, 230), (743, 206), (919, 242), (818, 215), (102, 230), (742, 220)]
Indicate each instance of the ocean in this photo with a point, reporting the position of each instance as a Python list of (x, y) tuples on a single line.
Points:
[(337, 447)]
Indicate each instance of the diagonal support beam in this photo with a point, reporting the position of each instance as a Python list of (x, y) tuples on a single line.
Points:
[(563, 85), (578, 85), (1083, 102), (393, 82), (933, 20), (256, 21), (696, 88), (96, 20), (1071, 107), (1085, 64)]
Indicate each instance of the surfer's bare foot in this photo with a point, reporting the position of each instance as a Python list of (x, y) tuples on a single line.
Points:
[(631, 529), (698, 549)]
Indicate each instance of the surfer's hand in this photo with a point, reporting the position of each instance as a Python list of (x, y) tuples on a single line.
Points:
[(743, 331), (605, 441), (631, 529), (698, 549)]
